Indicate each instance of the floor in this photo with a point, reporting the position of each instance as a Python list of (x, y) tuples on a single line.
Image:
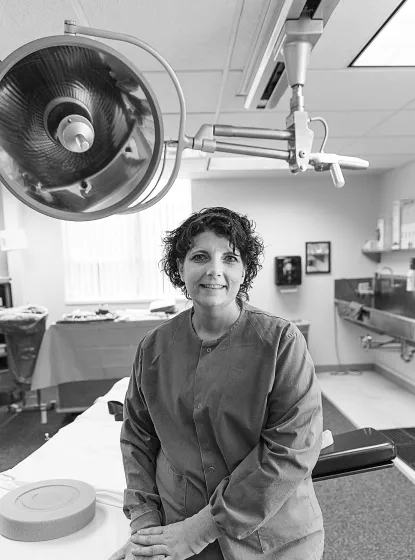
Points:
[(369, 400)]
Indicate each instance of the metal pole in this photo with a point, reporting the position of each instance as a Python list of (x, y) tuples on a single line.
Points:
[(248, 132), (252, 151)]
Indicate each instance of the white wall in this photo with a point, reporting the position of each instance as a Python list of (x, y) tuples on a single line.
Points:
[(290, 210), (396, 185), (15, 268), (4, 267)]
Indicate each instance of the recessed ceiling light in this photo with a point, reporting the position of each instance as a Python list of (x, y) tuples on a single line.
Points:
[(394, 43)]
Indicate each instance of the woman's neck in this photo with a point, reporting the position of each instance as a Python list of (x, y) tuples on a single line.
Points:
[(214, 323)]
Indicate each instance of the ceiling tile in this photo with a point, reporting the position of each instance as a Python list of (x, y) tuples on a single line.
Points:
[(389, 161), (22, 22), (358, 89), (230, 100), (190, 35), (397, 145), (411, 105), (399, 124), (193, 123), (200, 90)]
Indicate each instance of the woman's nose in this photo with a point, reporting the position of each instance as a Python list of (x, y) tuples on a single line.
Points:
[(215, 267)]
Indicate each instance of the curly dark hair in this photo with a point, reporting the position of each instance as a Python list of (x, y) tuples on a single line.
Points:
[(224, 222)]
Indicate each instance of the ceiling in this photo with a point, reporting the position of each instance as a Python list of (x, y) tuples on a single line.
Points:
[(370, 111)]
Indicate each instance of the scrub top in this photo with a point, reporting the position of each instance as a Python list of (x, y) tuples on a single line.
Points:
[(229, 429)]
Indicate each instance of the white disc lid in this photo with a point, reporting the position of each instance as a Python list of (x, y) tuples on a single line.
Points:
[(47, 509)]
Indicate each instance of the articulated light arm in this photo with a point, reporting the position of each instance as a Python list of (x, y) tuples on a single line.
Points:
[(298, 135)]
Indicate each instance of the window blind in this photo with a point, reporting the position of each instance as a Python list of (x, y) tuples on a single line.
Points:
[(116, 259)]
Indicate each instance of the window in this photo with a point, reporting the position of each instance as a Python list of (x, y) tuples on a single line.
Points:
[(115, 259)]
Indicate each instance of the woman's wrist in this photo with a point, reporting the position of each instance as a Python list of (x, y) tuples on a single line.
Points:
[(145, 520), (202, 528)]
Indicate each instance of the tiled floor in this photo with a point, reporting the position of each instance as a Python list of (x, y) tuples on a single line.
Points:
[(370, 400)]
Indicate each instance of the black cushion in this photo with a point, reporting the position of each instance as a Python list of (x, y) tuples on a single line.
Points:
[(353, 452)]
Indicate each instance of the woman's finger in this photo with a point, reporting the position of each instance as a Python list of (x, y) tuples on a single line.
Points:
[(157, 557), (150, 531), (148, 539), (150, 551)]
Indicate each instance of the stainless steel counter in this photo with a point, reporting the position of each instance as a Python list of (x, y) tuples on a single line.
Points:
[(381, 322)]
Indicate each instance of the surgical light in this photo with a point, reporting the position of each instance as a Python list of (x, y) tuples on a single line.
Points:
[(81, 131)]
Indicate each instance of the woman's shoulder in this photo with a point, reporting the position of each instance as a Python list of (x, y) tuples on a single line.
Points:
[(167, 330), (269, 323)]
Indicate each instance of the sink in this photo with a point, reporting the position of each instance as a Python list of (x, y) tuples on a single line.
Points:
[(391, 324), (382, 322)]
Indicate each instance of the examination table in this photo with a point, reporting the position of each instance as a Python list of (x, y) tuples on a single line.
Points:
[(88, 450)]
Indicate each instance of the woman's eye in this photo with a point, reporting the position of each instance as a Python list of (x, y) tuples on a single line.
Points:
[(199, 257)]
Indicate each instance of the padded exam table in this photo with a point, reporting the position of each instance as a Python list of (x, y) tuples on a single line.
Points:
[(88, 450)]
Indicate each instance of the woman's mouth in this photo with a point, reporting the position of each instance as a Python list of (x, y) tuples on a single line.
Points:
[(212, 286)]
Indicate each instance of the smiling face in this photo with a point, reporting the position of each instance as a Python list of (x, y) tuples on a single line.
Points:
[(211, 271)]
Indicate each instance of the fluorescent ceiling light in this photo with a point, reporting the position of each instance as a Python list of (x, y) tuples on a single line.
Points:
[(394, 43)]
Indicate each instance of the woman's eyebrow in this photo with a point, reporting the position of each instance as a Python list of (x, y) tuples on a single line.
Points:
[(194, 250)]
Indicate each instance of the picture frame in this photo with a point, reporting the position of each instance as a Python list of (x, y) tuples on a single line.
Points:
[(318, 257)]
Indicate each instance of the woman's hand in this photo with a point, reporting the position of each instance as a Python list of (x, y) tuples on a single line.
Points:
[(124, 553), (171, 540)]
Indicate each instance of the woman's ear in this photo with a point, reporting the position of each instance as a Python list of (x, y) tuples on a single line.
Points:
[(180, 268)]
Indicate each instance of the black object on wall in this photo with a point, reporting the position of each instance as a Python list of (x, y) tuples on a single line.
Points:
[(5, 301), (5, 294), (288, 271)]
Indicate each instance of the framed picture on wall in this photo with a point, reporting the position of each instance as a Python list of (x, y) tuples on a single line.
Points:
[(318, 257)]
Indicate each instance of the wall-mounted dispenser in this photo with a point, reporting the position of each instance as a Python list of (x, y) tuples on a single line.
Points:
[(288, 271), (410, 277)]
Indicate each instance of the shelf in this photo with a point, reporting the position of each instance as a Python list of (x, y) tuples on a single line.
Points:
[(376, 255)]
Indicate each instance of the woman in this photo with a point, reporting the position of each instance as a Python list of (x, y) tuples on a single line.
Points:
[(223, 416)]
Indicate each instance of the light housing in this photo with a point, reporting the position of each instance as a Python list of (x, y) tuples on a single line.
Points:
[(81, 132)]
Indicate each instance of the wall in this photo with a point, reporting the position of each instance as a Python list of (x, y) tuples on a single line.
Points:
[(15, 267), (395, 185), (290, 210), (4, 267)]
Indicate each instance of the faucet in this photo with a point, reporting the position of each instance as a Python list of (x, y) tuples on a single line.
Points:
[(392, 283)]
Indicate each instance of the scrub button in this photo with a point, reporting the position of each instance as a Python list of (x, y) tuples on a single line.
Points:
[(208, 349), (199, 405), (211, 469)]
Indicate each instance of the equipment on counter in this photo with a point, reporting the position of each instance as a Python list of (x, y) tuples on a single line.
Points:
[(45, 510)]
